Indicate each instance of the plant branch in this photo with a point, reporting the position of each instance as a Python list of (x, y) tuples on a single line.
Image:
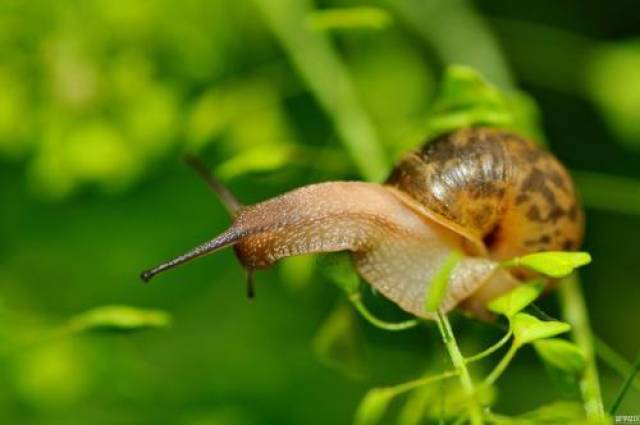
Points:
[(625, 386), (502, 365), (575, 313), (408, 386), (475, 412), (614, 360), (327, 78), (356, 300), (487, 352)]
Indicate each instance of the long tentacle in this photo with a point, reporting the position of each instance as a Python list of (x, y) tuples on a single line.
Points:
[(227, 238)]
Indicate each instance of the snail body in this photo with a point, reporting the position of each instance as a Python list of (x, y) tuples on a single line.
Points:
[(486, 193)]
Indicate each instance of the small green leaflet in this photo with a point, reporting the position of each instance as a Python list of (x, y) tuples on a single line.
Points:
[(349, 18), (339, 268), (465, 99), (119, 318), (551, 263), (518, 298), (373, 406), (440, 281), (445, 401), (262, 158), (561, 354), (338, 342), (557, 412), (527, 328)]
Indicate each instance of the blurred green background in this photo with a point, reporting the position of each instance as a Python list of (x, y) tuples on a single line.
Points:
[(99, 100)]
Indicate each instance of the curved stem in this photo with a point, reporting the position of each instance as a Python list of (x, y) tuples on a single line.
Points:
[(356, 300), (625, 387), (408, 386), (614, 360), (575, 313), (475, 412), (502, 365), (487, 352)]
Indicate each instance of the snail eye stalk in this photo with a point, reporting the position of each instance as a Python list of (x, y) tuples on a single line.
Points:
[(225, 196), (226, 239)]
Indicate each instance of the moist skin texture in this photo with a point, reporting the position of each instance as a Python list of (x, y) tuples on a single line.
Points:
[(484, 192), (395, 249)]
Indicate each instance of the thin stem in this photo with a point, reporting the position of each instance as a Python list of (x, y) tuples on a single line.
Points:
[(408, 386), (608, 192), (502, 365), (328, 80), (614, 360), (356, 300), (475, 412), (461, 420), (485, 353), (475, 46), (575, 313), (625, 387)]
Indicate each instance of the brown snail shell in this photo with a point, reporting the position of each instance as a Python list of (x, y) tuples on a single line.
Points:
[(484, 192), (500, 191)]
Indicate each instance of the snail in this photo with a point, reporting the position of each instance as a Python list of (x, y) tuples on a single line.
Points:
[(486, 193)]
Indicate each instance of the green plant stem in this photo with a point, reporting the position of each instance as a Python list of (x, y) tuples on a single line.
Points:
[(614, 360), (485, 353), (475, 412), (625, 386), (408, 386), (502, 365), (607, 192), (327, 78), (575, 313), (462, 419), (475, 46), (356, 300)]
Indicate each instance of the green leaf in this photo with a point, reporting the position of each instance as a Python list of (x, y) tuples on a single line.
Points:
[(349, 18), (467, 100), (613, 82), (338, 267), (527, 328), (119, 318), (260, 158), (338, 343), (441, 401), (552, 263), (561, 354), (418, 404), (373, 406), (558, 412), (440, 281), (514, 301), (565, 364)]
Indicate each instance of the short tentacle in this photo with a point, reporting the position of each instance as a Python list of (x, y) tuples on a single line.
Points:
[(227, 198)]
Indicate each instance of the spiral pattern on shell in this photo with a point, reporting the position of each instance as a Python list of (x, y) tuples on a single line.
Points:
[(504, 194)]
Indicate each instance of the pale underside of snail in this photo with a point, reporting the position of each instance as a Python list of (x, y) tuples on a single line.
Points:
[(486, 193)]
